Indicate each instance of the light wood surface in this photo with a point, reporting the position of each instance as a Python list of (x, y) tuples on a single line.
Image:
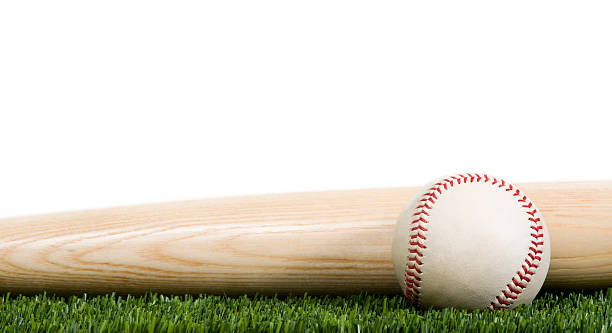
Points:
[(336, 242)]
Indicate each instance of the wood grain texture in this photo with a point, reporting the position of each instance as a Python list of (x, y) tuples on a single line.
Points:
[(336, 242)]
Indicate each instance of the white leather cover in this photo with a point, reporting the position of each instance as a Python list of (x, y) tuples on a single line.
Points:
[(471, 241)]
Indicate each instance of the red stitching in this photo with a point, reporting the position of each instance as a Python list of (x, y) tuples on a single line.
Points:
[(418, 235), (536, 251), (413, 282), (410, 285), (412, 291), (525, 269), (501, 301), (514, 291), (518, 283), (415, 251), (509, 295), (415, 259), (523, 277), (420, 219), (534, 257), (413, 270), (530, 264), (413, 243)]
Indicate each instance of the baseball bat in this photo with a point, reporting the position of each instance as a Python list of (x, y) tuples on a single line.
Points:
[(333, 242)]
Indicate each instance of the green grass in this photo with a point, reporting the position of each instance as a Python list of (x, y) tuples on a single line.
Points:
[(590, 312)]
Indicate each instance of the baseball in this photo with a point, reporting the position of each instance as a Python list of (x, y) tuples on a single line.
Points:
[(471, 241)]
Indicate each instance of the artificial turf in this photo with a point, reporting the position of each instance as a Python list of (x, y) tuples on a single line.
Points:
[(580, 312)]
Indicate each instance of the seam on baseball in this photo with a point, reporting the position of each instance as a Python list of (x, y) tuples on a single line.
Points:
[(419, 231)]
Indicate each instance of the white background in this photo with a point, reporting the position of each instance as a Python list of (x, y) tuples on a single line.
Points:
[(120, 102)]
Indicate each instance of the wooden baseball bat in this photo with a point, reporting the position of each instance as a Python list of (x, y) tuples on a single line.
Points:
[(335, 242)]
